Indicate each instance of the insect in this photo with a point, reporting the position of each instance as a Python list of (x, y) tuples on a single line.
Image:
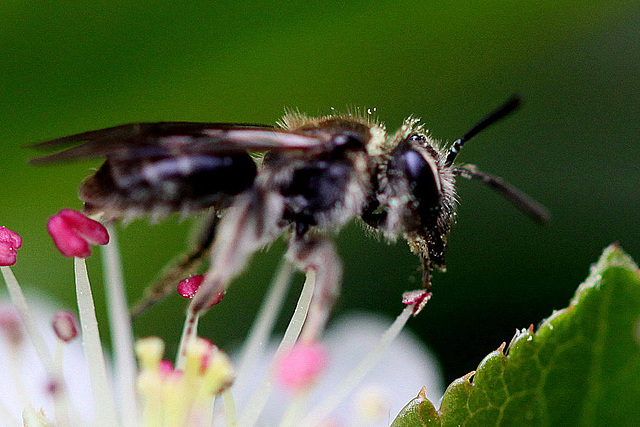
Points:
[(317, 175)]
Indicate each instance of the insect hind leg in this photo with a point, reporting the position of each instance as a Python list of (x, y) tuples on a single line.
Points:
[(248, 225), (178, 269), (317, 253)]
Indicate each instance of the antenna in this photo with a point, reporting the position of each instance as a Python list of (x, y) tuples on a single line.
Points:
[(496, 115), (526, 204)]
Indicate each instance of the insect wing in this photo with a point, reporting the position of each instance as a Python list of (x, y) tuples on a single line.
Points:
[(148, 140), (170, 166)]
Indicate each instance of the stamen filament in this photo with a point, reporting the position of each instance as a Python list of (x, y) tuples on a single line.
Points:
[(121, 330), (263, 325), (103, 399), (261, 394), (189, 334)]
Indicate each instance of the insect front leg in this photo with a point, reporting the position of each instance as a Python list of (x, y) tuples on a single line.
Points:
[(180, 268), (249, 224), (317, 253)]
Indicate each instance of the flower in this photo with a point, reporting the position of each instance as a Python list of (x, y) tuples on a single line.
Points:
[(325, 381)]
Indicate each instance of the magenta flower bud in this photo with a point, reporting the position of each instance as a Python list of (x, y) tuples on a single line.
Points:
[(10, 241), (73, 232), (189, 287), (65, 325), (300, 368), (11, 326)]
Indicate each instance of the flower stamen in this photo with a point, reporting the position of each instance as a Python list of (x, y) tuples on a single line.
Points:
[(10, 242), (121, 328), (262, 327), (182, 397), (102, 395), (65, 326), (260, 396), (73, 232)]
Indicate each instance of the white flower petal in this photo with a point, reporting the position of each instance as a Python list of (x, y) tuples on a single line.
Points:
[(32, 371), (405, 368)]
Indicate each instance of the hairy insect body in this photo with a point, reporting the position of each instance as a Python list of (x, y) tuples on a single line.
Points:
[(329, 188), (318, 174)]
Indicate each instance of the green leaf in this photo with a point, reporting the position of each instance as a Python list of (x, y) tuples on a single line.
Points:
[(581, 367)]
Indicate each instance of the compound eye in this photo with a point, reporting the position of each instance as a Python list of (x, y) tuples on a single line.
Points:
[(424, 181)]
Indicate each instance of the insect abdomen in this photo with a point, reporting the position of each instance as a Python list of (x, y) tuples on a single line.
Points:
[(167, 184)]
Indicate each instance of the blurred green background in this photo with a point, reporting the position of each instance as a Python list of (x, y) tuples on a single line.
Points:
[(67, 67)]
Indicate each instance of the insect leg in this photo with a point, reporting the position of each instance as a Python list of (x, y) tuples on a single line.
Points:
[(318, 254), (526, 204), (248, 225), (179, 268)]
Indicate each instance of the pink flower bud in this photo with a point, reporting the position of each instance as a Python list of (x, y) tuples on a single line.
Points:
[(189, 287), (73, 232), (301, 366), (11, 325), (10, 241), (65, 325)]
